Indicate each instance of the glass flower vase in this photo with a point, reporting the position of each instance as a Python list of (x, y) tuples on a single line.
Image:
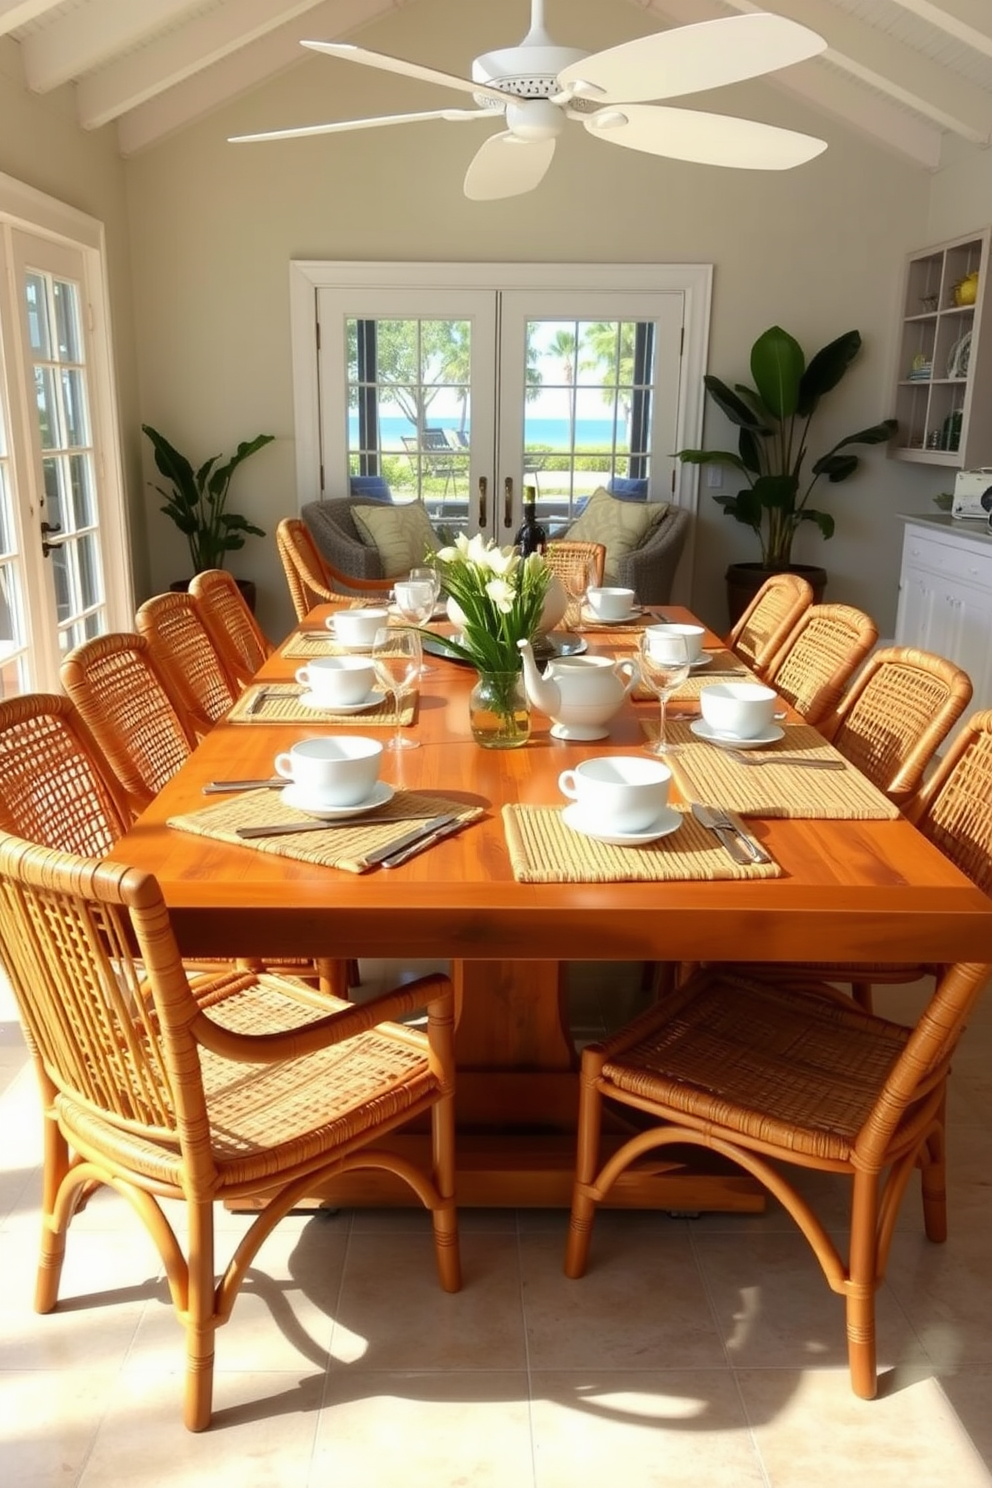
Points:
[(499, 711)]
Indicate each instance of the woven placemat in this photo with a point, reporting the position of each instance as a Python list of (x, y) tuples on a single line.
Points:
[(725, 667), (705, 773), (591, 621), (308, 643), (543, 849), (344, 845), (274, 702)]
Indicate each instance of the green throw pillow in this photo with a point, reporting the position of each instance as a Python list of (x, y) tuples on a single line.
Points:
[(621, 526), (401, 534)]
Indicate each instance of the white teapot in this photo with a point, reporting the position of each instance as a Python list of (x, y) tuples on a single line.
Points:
[(580, 693)]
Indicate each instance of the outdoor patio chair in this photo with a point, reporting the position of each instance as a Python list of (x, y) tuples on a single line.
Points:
[(232, 627), (191, 666), (244, 1087), (819, 657), (766, 622)]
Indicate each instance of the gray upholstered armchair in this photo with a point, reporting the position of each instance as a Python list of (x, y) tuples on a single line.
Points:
[(650, 569), (333, 530)]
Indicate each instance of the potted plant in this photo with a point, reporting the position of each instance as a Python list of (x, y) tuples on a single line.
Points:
[(774, 420), (197, 501)]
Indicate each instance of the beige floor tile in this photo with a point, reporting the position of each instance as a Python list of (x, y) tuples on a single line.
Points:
[(774, 1307), (946, 1292), (418, 1221), (393, 1314), (640, 1302), (644, 1429), (48, 1422), (969, 1394), (424, 1430), (261, 1435), (822, 1435)]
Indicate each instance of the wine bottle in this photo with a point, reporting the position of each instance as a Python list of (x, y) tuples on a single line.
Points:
[(531, 538)]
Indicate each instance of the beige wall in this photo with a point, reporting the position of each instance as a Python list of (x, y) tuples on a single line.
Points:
[(41, 145)]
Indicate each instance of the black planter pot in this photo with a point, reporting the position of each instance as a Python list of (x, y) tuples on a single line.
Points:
[(247, 587), (745, 579)]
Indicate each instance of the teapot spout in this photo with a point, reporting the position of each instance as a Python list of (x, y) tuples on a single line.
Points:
[(541, 691)]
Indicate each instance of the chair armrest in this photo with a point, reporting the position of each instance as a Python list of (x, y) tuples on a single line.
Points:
[(650, 569)]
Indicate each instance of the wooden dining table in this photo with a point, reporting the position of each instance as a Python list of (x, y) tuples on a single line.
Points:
[(862, 890)]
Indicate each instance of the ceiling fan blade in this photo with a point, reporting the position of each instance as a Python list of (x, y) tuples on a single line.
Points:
[(689, 59), (704, 139), (507, 166), (454, 116), (349, 53)]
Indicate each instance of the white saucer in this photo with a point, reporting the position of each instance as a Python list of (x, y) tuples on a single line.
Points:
[(293, 796), (310, 700), (588, 613), (702, 730), (354, 647), (668, 821), (701, 661)]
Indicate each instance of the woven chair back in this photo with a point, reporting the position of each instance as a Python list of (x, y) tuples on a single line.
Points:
[(819, 657), (191, 666), (897, 713), (566, 553), (954, 808), (52, 789), (306, 575), (124, 704), (233, 629), (772, 613)]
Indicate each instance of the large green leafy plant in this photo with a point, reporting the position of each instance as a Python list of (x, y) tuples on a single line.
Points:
[(197, 500), (774, 421)]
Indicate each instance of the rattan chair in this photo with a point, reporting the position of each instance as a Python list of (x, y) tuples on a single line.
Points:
[(770, 1074), (125, 706), (191, 666), (163, 1094), (311, 579), (232, 627), (761, 630), (564, 554), (819, 657)]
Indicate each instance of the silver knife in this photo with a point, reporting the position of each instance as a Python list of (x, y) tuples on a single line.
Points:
[(727, 823), (286, 829), (212, 787), (418, 836), (726, 834), (396, 858)]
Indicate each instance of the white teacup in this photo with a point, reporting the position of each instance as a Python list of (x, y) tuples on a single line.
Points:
[(691, 634), (626, 793), (738, 710), (338, 681), (610, 603), (337, 772), (357, 627)]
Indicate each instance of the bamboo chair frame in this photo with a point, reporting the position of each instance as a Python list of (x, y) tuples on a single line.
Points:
[(311, 579), (769, 1074), (759, 633), (564, 552), (163, 1093), (237, 637), (819, 657), (193, 670)]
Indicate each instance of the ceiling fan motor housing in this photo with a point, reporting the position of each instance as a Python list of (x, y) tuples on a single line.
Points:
[(525, 71)]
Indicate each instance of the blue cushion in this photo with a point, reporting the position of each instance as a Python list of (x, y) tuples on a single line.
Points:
[(627, 488), (371, 487)]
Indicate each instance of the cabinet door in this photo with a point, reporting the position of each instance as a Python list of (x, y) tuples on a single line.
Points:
[(914, 619), (966, 620)]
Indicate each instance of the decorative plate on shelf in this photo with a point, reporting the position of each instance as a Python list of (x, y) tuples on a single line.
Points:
[(957, 362)]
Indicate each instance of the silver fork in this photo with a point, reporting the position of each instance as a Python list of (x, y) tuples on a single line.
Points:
[(743, 757)]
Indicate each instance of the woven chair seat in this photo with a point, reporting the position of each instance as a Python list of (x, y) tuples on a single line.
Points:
[(791, 1067)]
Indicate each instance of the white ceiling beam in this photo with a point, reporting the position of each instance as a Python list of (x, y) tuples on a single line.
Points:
[(14, 13), (167, 112), (84, 39), (179, 55), (828, 91), (875, 57), (968, 21)]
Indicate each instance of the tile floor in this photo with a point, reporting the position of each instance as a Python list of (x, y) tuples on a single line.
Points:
[(705, 1352)]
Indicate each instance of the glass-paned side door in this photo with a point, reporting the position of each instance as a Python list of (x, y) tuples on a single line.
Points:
[(591, 398), (407, 397), (70, 521)]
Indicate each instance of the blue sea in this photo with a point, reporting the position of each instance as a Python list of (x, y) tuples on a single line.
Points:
[(549, 433)]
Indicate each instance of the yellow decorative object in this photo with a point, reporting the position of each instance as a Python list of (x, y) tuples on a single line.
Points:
[(966, 289)]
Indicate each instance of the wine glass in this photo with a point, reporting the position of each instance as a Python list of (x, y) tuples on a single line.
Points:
[(396, 656), (578, 575), (415, 597), (664, 666)]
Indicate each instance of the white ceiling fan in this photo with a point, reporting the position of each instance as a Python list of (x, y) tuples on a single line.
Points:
[(539, 86)]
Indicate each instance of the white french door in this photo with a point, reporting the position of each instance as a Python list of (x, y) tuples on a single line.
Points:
[(460, 384), (64, 564)]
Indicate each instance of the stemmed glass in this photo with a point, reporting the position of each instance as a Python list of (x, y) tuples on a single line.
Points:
[(416, 596), (396, 656), (664, 666), (577, 577)]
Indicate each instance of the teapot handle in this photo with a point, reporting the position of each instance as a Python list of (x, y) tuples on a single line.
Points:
[(628, 668)]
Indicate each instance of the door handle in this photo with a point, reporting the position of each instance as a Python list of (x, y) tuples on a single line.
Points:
[(483, 494), (508, 501), (47, 529)]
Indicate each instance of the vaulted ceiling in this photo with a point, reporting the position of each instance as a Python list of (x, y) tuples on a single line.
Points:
[(906, 73)]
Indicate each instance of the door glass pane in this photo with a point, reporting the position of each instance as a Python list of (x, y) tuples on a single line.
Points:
[(37, 306), (409, 410), (588, 414)]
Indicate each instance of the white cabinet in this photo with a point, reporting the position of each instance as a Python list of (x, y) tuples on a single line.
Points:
[(944, 350), (945, 597)]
